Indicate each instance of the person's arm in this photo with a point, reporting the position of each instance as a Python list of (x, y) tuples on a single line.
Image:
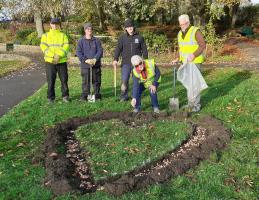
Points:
[(66, 45), (144, 49), (157, 76), (43, 43), (118, 49), (63, 51), (201, 42), (135, 87), (99, 53), (79, 52)]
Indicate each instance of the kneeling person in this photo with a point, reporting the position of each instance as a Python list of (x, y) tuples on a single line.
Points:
[(145, 75)]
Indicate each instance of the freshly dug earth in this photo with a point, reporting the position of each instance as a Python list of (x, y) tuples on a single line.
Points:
[(68, 171)]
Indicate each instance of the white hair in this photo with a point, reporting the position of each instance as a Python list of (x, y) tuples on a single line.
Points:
[(136, 60), (184, 18)]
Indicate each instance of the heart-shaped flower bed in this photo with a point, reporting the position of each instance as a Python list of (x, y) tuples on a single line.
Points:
[(152, 148)]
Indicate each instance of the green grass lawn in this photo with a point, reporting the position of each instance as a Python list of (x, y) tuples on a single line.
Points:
[(232, 96), (134, 146), (10, 66)]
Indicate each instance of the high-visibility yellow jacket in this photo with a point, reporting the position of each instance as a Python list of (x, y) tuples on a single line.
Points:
[(150, 67), (188, 45), (54, 42)]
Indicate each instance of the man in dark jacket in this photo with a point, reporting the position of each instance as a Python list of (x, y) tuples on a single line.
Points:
[(129, 44), (89, 51)]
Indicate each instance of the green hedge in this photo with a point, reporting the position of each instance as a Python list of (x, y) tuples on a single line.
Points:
[(21, 35), (157, 43), (32, 39)]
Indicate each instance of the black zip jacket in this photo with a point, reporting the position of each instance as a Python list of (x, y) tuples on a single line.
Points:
[(129, 46)]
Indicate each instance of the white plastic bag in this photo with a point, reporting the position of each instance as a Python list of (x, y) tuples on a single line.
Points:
[(191, 78)]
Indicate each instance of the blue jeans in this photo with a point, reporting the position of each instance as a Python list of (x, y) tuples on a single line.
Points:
[(125, 76), (153, 97)]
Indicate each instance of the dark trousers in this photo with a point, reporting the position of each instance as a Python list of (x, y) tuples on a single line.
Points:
[(51, 74), (96, 81), (153, 96), (125, 76)]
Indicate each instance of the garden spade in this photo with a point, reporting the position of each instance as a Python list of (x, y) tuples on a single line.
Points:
[(91, 97), (174, 102)]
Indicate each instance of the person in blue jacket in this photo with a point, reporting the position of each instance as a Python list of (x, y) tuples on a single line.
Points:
[(89, 51)]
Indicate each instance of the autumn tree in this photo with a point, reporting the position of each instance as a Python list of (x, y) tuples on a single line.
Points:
[(233, 6), (38, 9)]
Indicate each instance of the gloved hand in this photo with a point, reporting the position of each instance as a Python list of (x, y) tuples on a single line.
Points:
[(152, 89), (115, 63), (88, 61), (133, 102), (56, 59), (93, 61)]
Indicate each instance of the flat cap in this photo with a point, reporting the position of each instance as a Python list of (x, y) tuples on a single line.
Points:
[(55, 21)]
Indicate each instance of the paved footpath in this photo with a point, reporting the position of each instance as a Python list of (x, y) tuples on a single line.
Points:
[(19, 85)]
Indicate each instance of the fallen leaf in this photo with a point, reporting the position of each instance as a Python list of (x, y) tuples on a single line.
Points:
[(229, 108), (53, 155), (21, 144), (26, 172), (151, 126), (248, 181), (47, 183), (229, 181), (100, 188)]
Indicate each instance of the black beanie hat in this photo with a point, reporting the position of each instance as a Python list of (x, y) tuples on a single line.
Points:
[(128, 23)]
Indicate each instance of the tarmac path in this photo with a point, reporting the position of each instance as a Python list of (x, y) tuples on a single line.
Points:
[(19, 85)]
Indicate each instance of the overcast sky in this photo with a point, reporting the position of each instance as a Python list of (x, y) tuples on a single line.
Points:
[(255, 1)]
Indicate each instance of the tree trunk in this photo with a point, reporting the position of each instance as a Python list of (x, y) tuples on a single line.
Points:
[(197, 20), (38, 23), (159, 17), (101, 16), (233, 15)]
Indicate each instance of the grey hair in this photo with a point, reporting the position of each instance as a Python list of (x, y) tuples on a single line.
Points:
[(184, 18)]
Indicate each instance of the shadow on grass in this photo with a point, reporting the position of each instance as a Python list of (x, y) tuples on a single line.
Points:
[(165, 91), (220, 89), (216, 90)]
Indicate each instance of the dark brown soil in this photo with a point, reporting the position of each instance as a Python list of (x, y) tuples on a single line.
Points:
[(66, 164)]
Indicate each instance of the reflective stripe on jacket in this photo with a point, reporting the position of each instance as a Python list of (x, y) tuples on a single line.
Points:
[(54, 42), (188, 45), (150, 67)]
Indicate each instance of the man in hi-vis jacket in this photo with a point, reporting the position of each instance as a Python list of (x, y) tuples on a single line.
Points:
[(55, 47)]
